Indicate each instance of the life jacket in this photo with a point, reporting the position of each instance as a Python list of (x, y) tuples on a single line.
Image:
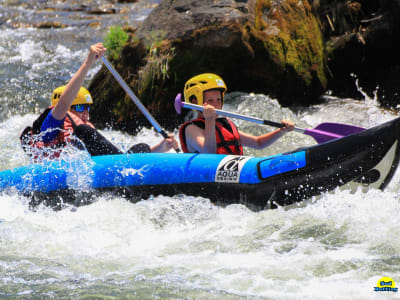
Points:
[(64, 136), (226, 133), (33, 144)]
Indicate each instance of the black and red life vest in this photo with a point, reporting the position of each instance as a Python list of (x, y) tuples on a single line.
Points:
[(33, 144), (226, 133)]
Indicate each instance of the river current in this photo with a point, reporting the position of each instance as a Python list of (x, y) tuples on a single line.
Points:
[(336, 246)]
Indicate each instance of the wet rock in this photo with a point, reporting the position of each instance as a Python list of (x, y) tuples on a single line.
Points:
[(362, 42), (50, 24), (102, 10)]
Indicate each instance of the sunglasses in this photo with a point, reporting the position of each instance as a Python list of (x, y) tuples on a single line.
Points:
[(80, 107)]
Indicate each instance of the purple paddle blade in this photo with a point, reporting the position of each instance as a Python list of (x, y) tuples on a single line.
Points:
[(328, 131), (178, 103)]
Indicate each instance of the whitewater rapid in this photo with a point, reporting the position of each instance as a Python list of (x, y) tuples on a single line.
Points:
[(335, 246)]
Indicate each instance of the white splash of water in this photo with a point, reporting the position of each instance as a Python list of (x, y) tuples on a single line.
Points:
[(334, 244)]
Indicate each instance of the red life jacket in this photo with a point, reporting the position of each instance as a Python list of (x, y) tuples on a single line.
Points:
[(226, 134), (33, 144)]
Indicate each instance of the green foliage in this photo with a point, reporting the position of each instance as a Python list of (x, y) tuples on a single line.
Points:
[(156, 69), (114, 41)]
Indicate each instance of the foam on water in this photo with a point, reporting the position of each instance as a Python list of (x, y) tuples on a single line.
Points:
[(341, 243), (366, 113), (12, 154)]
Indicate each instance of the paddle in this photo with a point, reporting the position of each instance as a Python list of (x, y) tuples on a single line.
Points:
[(322, 133), (135, 99)]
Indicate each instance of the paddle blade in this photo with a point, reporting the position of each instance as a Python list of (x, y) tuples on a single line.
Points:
[(328, 131), (178, 103)]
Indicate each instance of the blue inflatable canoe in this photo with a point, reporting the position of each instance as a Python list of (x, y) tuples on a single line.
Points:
[(369, 158)]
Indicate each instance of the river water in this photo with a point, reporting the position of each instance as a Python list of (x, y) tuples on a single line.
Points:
[(336, 246)]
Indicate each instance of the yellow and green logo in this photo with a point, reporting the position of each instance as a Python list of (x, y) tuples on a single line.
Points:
[(386, 284)]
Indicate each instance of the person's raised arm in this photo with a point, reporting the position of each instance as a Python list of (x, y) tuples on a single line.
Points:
[(71, 90)]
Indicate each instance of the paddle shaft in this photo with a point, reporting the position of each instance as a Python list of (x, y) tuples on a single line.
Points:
[(132, 95), (239, 116)]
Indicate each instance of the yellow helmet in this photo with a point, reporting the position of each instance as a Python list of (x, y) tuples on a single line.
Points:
[(197, 85), (83, 96)]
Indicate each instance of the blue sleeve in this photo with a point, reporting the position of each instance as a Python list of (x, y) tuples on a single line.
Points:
[(50, 123)]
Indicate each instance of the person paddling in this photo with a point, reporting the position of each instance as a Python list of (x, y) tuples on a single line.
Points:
[(211, 134), (68, 117)]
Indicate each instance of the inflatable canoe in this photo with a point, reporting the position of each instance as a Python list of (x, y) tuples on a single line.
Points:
[(368, 158)]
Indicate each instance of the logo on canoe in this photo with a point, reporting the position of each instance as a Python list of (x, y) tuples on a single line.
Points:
[(229, 169), (386, 284)]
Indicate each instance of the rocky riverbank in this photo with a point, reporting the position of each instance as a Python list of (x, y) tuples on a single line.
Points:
[(292, 50)]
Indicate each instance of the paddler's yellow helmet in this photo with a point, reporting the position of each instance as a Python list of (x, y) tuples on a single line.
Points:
[(83, 96), (197, 85)]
